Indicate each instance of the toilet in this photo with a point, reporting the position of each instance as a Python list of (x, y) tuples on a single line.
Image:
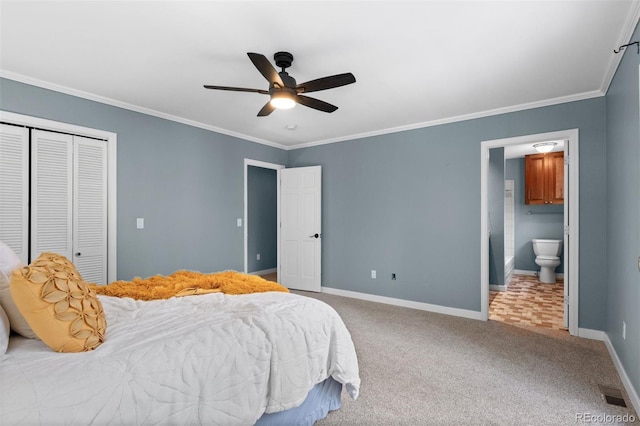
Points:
[(548, 258)]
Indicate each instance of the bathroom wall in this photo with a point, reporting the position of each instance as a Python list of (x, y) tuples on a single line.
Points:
[(495, 204), (547, 221)]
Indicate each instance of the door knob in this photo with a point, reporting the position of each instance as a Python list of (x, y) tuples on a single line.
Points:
[(78, 254), (316, 235)]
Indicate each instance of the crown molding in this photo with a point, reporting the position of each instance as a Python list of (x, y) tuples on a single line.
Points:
[(112, 102), (625, 37), (466, 117)]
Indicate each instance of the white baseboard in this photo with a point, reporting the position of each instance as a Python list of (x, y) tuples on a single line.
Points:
[(591, 334), (405, 303), (534, 273), (524, 272), (497, 287), (264, 271), (631, 391)]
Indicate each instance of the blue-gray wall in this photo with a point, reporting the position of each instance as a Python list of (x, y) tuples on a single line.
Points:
[(546, 221), (623, 212), (262, 202), (495, 208), (409, 203), (186, 182)]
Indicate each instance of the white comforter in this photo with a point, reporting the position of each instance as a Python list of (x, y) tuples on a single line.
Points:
[(211, 359)]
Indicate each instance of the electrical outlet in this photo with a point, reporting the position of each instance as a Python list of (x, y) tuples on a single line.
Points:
[(624, 330), (258, 256), (373, 274)]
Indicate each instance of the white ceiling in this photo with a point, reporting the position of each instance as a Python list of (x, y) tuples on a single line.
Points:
[(417, 63)]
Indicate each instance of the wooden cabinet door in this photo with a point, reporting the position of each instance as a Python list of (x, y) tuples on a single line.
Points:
[(544, 178), (534, 179), (554, 165)]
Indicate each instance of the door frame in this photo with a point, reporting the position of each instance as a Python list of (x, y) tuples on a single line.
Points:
[(571, 216), (256, 163), (112, 144)]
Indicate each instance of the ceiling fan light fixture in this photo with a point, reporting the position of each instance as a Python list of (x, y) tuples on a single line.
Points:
[(282, 100), (544, 147)]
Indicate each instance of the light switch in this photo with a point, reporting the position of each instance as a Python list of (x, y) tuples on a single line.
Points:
[(140, 223), (239, 222)]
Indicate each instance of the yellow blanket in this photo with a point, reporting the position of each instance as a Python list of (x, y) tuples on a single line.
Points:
[(186, 283)]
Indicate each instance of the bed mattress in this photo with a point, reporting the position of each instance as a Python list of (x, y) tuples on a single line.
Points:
[(210, 359)]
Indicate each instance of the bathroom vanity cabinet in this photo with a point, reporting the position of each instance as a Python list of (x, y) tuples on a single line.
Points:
[(544, 178)]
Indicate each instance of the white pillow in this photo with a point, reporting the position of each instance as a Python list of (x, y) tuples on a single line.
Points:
[(9, 261), (4, 331)]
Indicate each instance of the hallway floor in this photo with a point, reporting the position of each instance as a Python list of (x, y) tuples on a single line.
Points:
[(529, 302)]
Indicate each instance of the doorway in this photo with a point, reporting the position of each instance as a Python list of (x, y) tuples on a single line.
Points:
[(570, 213), (251, 191)]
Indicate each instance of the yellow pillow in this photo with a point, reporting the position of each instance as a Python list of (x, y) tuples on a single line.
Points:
[(58, 305)]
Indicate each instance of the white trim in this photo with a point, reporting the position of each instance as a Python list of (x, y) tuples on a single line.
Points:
[(108, 101), (631, 391), (449, 120), (464, 313), (248, 162), (497, 287), (534, 273), (587, 333), (525, 272), (572, 260), (264, 272), (112, 178), (625, 36), (488, 113)]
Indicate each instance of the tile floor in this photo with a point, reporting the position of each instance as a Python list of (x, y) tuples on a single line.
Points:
[(529, 302)]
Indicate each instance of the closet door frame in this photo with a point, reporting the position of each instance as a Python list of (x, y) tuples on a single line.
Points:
[(112, 141)]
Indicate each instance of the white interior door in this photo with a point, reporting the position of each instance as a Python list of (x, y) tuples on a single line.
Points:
[(69, 201), (90, 209), (51, 193), (14, 189), (300, 231)]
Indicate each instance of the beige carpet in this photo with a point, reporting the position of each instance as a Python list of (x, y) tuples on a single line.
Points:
[(421, 368)]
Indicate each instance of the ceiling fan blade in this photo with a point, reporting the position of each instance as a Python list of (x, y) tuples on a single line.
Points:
[(236, 89), (266, 109), (266, 69), (326, 83), (315, 103)]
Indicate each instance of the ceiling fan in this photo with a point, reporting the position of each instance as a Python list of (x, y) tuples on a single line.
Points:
[(283, 90)]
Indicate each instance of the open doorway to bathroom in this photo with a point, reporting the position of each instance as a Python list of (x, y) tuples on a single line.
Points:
[(511, 285)]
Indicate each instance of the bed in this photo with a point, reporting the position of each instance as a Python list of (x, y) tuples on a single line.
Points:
[(212, 359)]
